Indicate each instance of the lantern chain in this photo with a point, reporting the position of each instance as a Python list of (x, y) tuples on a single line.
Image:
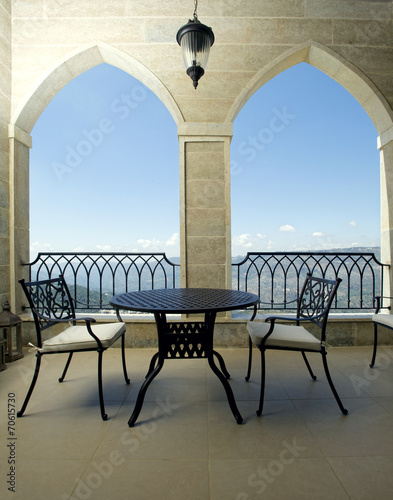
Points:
[(195, 9)]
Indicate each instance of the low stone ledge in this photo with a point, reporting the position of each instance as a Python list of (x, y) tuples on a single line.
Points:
[(342, 330)]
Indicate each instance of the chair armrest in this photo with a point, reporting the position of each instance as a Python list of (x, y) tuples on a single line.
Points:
[(272, 319), (65, 320), (379, 298)]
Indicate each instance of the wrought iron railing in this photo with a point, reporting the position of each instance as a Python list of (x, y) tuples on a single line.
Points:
[(277, 277), (93, 278)]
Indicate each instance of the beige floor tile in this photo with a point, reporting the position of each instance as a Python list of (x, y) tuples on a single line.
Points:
[(166, 429), (365, 477), (259, 436), (72, 432), (366, 430), (280, 478), (145, 480), (38, 479)]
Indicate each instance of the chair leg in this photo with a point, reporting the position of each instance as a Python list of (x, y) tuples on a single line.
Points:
[(32, 385), (308, 366), (100, 391), (123, 357), (262, 394), (329, 378), (66, 367), (375, 345), (249, 358)]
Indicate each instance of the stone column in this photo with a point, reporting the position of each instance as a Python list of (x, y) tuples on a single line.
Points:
[(205, 208), (20, 143), (385, 145)]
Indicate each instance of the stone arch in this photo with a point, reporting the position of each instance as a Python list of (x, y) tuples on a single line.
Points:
[(23, 121), (78, 62), (334, 65), (372, 101)]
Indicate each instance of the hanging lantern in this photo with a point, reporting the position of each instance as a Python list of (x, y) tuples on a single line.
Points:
[(195, 40)]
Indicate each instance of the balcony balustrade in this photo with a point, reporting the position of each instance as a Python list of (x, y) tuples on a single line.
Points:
[(275, 277)]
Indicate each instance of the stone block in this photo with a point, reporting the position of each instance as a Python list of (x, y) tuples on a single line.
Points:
[(5, 23), (206, 276), (4, 223), (352, 9), (268, 31), (371, 33), (202, 193), (4, 277), (205, 165), (206, 250), (4, 194), (206, 221)]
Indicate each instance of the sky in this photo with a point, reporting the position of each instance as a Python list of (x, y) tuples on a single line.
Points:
[(104, 168)]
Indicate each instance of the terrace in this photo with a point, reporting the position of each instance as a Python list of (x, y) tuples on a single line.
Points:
[(186, 443)]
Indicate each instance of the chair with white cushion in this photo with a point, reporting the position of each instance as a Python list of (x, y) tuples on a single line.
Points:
[(385, 320), (51, 303), (313, 306)]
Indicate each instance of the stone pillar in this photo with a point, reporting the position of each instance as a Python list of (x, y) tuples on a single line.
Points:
[(20, 143), (205, 208), (385, 145)]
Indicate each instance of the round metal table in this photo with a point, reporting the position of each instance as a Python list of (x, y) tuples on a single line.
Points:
[(185, 339)]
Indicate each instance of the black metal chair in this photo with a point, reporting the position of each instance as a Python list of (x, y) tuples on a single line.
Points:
[(313, 306), (385, 320), (51, 303)]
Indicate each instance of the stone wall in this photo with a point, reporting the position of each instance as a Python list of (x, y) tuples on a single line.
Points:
[(5, 114)]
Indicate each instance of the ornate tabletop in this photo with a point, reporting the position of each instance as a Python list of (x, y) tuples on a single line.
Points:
[(184, 300)]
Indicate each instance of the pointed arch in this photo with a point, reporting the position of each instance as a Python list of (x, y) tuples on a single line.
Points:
[(78, 62), (335, 66)]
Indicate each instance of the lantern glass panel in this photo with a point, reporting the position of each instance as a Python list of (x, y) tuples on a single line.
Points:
[(195, 48)]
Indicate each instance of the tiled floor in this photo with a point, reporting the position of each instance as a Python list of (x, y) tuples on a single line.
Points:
[(186, 444)]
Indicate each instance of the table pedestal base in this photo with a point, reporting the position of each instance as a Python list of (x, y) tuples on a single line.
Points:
[(185, 340)]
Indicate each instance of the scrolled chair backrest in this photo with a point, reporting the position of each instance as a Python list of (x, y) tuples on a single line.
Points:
[(50, 298), (316, 299)]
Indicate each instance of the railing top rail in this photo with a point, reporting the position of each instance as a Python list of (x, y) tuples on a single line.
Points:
[(314, 253), (104, 254)]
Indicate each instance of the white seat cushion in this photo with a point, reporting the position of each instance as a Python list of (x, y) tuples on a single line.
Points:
[(383, 319), (77, 337), (283, 336)]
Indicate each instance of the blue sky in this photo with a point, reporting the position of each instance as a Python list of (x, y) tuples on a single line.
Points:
[(105, 168)]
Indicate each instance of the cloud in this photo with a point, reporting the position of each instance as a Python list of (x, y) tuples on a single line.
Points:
[(318, 234), (243, 240), (287, 228), (146, 243), (261, 236), (173, 240), (352, 223), (104, 248), (36, 247)]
